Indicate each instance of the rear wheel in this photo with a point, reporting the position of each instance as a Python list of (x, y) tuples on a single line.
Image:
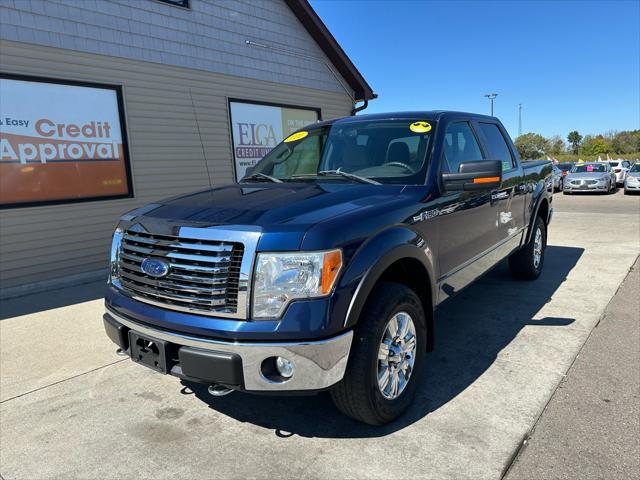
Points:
[(527, 262), (387, 357)]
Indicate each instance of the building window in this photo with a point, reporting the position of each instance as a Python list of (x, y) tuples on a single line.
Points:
[(61, 142), (257, 127), (177, 3)]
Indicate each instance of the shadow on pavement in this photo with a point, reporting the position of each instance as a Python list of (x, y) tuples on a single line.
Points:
[(50, 299), (470, 331)]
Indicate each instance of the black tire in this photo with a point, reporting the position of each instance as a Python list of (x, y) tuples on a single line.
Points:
[(522, 263), (358, 395)]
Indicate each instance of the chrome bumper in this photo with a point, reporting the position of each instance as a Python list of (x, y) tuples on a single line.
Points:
[(318, 364)]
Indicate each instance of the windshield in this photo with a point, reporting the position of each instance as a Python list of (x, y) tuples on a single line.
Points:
[(386, 151), (596, 167), (635, 167)]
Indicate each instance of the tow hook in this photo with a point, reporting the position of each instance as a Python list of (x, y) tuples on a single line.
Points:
[(217, 390)]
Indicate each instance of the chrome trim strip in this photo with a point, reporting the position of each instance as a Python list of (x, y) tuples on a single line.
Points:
[(318, 364), (169, 244)]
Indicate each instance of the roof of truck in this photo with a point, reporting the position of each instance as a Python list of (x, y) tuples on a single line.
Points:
[(418, 114)]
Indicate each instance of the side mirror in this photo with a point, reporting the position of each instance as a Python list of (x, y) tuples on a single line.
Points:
[(472, 176)]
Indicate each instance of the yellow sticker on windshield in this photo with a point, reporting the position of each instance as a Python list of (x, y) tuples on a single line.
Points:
[(420, 127), (296, 136)]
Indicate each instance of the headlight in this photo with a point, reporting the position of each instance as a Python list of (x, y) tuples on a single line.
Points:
[(282, 277), (115, 253)]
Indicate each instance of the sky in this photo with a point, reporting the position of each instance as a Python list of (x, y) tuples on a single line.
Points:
[(573, 65)]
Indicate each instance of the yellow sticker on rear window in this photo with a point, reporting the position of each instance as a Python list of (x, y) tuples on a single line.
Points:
[(296, 136), (420, 127)]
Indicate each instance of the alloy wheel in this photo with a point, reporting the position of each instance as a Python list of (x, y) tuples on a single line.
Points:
[(537, 249), (396, 355)]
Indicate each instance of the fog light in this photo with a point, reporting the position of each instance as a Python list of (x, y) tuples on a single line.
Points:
[(284, 367)]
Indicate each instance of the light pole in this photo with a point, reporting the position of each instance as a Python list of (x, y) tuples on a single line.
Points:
[(519, 119), (491, 96)]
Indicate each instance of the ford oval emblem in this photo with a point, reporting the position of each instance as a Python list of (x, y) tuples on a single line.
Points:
[(155, 267)]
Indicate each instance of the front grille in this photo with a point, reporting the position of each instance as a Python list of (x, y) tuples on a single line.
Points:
[(583, 182), (204, 275)]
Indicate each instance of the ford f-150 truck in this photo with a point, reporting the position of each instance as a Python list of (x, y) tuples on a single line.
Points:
[(323, 268)]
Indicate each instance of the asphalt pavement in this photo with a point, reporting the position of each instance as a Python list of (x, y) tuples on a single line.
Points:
[(71, 408)]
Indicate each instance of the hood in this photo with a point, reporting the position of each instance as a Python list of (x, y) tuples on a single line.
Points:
[(588, 175), (633, 174), (283, 212)]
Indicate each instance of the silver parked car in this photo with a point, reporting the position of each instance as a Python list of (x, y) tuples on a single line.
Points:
[(590, 177), (557, 178), (632, 180)]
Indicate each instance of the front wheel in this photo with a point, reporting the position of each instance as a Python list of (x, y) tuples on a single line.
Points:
[(387, 357), (527, 262)]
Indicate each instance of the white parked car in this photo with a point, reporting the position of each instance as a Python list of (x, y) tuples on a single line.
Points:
[(632, 180), (620, 168)]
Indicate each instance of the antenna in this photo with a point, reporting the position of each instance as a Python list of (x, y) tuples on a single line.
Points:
[(204, 155)]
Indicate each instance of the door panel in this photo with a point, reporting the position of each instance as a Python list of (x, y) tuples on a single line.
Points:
[(465, 219), (508, 201)]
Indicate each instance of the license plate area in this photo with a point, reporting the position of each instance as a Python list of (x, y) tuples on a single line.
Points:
[(150, 352)]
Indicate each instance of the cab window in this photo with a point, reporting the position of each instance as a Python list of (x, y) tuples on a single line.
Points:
[(460, 145), (497, 147)]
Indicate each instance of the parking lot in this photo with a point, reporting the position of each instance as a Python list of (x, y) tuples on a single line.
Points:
[(71, 408)]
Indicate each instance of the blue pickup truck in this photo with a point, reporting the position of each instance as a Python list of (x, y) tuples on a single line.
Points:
[(323, 268)]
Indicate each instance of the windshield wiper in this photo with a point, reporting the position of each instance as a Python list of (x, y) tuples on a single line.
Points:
[(351, 176), (256, 176)]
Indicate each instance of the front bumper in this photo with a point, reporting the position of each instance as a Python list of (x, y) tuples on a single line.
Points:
[(586, 188), (318, 364), (632, 186)]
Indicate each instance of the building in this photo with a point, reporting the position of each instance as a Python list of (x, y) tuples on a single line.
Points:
[(106, 105)]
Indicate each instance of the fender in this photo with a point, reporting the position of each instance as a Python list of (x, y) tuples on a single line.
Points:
[(374, 257), (539, 194)]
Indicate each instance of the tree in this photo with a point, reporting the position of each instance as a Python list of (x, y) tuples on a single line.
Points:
[(597, 145), (556, 145), (626, 142), (531, 146), (574, 138)]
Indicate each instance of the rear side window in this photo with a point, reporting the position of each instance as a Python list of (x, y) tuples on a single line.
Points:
[(460, 145), (497, 148)]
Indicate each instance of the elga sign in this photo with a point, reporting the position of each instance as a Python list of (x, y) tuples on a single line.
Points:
[(257, 128), (60, 142)]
